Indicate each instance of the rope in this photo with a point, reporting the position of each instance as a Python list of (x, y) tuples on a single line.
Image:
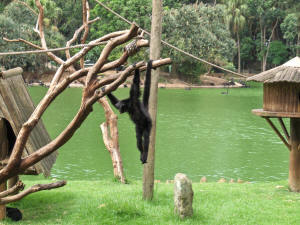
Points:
[(48, 50), (172, 46)]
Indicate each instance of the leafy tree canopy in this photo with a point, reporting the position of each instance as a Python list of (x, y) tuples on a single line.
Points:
[(200, 31)]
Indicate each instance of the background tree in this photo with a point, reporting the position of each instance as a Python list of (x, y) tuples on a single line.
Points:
[(17, 21), (267, 15), (235, 11), (200, 31), (289, 27), (134, 10)]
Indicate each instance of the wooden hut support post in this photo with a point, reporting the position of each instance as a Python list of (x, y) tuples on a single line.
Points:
[(294, 170), (278, 133), (283, 127)]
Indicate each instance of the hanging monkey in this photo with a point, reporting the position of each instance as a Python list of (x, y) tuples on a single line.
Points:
[(137, 110)]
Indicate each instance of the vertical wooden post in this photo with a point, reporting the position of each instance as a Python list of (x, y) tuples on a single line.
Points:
[(2, 207), (294, 170), (3, 154), (155, 47)]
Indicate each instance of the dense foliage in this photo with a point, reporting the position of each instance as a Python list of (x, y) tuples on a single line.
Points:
[(259, 34), (200, 31), (17, 21)]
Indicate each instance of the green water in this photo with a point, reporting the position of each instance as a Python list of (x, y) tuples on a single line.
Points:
[(199, 132)]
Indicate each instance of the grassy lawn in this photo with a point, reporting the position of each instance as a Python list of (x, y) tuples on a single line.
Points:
[(107, 202)]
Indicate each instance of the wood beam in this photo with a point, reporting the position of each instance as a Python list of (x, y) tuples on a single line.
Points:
[(278, 133)]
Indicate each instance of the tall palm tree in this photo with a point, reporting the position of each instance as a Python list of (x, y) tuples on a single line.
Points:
[(235, 11)]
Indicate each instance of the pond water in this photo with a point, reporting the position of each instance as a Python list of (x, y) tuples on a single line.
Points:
[(200, 132)]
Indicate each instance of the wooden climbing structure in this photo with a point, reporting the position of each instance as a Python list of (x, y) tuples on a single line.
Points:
[(282, 100), (15, 108)]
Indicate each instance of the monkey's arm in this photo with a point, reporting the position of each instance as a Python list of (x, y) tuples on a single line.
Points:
[(147, 84), (113, 100), (135, 87)]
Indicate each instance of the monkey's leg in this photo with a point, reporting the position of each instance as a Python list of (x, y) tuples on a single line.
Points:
[(139, 138), (146, 135)]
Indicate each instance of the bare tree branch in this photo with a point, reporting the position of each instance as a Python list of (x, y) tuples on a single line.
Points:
[(41, 32), (111, 139), (85, 19), (91, 94), (84, 110), (19, 186), (24, 41), (35, 188), (75, 36), (27, 6)]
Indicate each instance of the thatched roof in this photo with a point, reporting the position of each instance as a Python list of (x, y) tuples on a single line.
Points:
[(289, 72)]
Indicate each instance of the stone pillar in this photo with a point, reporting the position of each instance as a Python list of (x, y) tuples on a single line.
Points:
[(183, 196)]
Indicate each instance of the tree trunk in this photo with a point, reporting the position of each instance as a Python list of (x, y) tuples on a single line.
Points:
[(298, 45), (265, 59), (12, 182), (239, 52), (111, 139), (294, 170), (155, 47), (263, 68)]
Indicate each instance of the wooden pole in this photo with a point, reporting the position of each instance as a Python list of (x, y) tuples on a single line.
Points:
[(278, 133), (3, 154), (155, 48), (2, 207), (294, 170)]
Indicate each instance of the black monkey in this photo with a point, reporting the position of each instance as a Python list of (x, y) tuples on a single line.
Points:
[(13, 213), (137, 110)]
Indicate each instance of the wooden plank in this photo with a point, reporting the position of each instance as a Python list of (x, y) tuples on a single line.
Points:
[(263, 113), (283, 127), (278, 133)]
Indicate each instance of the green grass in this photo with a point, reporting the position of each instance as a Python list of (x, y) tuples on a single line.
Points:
[(107, 202)]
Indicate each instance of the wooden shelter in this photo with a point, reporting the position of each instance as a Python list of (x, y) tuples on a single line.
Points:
[(15, 108), (282, 100)]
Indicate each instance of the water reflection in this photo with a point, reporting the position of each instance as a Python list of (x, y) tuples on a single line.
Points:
[(199, 132)]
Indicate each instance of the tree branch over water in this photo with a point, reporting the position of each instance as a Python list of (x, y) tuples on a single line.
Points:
[(91, 93)]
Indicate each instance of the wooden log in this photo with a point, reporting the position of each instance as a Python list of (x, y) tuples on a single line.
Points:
[(278, 133), (155, 48), (286, 133), (294, 169), (3, 151), (2, 207)]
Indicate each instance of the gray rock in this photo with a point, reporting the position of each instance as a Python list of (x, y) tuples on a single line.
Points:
[(183, 196)]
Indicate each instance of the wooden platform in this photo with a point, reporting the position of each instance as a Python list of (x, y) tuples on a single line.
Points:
[(263, 113)]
